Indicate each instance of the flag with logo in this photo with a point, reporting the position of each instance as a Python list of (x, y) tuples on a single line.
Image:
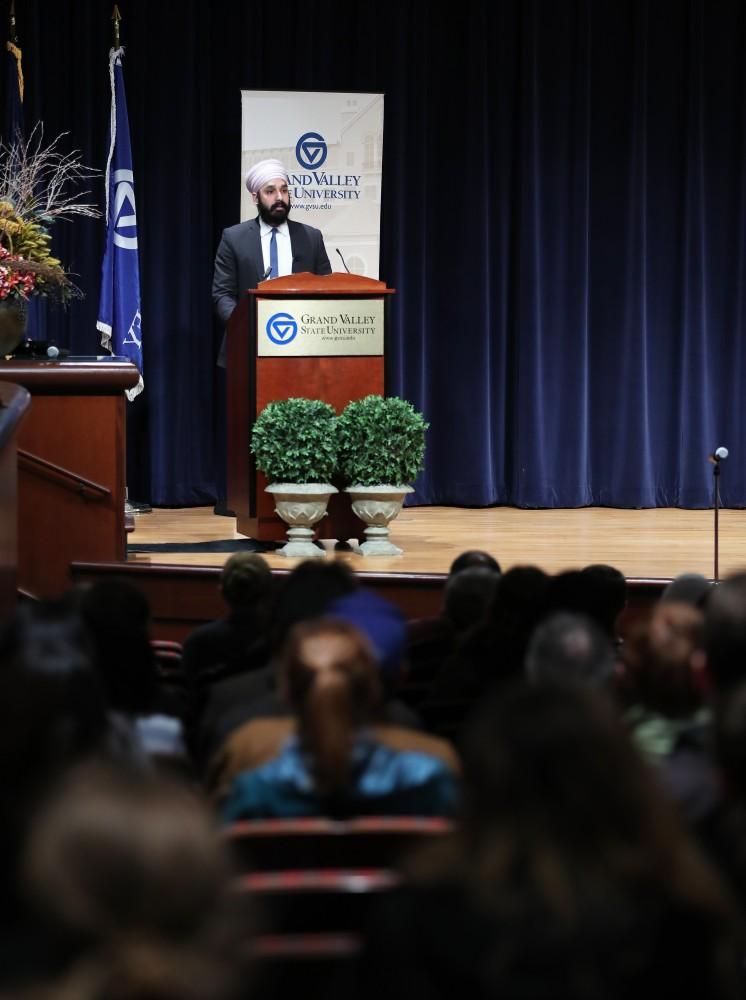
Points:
[(14, 125), (119, 317)]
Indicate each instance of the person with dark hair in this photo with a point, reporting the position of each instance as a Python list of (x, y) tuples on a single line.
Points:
[(492, 654), (571, 649), (338, 760), (467, 595), (474, 559), (117, 616), (668, 714), (599, 592), (571, 877), (235, 644), (130, 881), (608, 597), (53, 714), (688, 588), (722, 832), (725, 634)]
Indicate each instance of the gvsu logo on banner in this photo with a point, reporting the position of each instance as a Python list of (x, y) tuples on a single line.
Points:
[(281, 328), (124, 200), (311, 150)]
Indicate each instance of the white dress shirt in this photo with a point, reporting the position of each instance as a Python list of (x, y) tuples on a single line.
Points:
[(284, 250)]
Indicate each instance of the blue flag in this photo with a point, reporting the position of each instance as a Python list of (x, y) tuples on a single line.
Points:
[(119, 308), (13, 95)]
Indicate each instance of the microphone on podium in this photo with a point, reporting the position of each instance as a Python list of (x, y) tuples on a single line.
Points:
[(344, 262), (718, 455), (266, 273)]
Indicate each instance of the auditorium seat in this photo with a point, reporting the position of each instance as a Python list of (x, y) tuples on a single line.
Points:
[(168, 664), (306, 888), (313, 843)]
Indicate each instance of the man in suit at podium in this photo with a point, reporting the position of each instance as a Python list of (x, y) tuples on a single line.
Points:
[(268, 246)]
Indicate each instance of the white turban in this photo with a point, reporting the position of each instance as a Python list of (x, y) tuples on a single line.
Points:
[(263, 172)]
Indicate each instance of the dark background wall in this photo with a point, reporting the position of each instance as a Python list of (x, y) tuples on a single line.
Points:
[(564, 214)]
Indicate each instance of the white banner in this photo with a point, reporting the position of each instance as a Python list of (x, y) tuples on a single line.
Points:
[(332, 146)]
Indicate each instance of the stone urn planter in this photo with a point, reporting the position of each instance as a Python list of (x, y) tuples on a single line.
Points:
[(301, 506), (377, 506)]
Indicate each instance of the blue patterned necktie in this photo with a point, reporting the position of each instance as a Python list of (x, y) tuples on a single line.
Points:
[(274, 267)]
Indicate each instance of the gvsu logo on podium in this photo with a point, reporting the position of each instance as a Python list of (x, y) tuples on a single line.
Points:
[(311, 150), (281, 328)]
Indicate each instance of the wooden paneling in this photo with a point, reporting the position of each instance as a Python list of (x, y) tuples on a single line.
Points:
[(71, 461)]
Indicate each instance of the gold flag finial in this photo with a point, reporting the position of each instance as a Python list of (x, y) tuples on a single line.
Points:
[(116, 18), (13, 36)]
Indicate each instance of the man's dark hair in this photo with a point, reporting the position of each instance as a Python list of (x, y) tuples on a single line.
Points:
[(473, 558), (246, 580), (608, 596), (725, 633), (570, 649), (467, 596)]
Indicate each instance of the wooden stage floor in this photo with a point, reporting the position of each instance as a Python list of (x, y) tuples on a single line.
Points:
[(644, 544)]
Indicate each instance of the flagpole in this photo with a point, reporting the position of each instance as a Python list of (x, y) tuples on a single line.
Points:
[(112, 337)]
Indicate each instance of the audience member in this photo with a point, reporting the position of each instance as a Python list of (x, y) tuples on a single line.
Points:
[(493, 653), (467, 594), (571, 878), (53, 714), (668, 715), (332, 759), (688, 588), (238, 642), (723, 831), (608, 597), (571, 649), (474, 558), (725, 635), (130, 881), (117, 616)]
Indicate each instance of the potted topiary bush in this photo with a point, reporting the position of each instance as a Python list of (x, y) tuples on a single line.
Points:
[(294, 443), (380, 446)]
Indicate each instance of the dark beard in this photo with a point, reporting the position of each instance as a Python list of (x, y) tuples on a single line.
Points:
[(273, 216)]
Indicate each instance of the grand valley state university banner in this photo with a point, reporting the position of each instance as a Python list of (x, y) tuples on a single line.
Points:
[(332, 146)]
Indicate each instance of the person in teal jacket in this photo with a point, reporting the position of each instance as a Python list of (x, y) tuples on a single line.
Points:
[(339, 761)]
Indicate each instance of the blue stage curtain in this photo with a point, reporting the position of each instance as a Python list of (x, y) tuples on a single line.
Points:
[(564, 217)]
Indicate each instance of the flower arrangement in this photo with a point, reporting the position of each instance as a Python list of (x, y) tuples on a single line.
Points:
[(35, 191)]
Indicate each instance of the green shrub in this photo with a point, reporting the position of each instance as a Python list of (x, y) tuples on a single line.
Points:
[(294, 441), (380, 441)]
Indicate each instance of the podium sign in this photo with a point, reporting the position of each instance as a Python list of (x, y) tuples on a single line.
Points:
[(316, 328)]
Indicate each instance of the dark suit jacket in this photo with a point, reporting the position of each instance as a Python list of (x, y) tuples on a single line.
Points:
[(239, 263)]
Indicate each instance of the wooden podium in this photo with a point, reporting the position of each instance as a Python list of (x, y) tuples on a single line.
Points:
[(71, 467), (255, 380)]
